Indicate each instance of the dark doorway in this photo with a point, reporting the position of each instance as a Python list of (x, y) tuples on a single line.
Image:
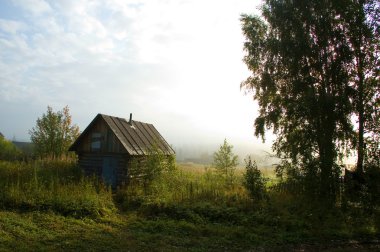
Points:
[(109, 170)]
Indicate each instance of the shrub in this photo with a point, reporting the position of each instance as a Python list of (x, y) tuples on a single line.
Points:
[(372, 178), (144, 171), (8, 151), (225, 162), (254, 182)]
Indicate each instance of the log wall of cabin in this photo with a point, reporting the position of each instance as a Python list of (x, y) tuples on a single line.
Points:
[(100, 134), (92, 164)]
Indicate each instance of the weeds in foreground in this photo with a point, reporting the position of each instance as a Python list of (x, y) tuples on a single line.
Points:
[(50, 185), (180, 210), (179, 186)]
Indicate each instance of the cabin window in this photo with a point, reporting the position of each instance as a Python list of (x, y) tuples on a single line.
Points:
[(96, 139)]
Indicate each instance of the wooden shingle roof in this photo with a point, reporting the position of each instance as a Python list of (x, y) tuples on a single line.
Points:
[(137, 138)]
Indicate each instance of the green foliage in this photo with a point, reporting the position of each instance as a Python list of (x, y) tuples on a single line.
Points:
[(54, 133), (156, 164), (185, 210), (309, 62), (143, 171), (52, 186), (182, 185), (363, 188), (372, 125), (225, 162), (8, 151), (305, 180), (254, 182), (372, 186), (363, 36)]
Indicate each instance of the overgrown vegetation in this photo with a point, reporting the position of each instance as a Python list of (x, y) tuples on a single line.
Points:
[(54, 133), (181, 186), (252, 208), (254, 182), (8, 151), (164, 201), (52, 185), (184, 208), (144, 171)]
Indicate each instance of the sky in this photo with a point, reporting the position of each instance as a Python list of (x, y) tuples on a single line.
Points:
[(174, 63)]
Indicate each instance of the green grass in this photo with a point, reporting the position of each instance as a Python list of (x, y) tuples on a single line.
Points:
[(135, 231), (52, 186), (182, 186), (37, 231), (50, 206)]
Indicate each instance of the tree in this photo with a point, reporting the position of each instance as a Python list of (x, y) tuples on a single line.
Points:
[(254, 182), (225, 162), (8, 151), (54, 133), (298, 58), (362, 32)]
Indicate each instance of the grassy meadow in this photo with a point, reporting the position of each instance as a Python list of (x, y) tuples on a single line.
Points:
[(49, 205)]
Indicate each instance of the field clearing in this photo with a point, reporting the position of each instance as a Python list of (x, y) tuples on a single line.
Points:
[(190, 209), (267, 171)]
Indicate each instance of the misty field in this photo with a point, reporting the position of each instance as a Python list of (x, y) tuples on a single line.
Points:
[(50, 205)]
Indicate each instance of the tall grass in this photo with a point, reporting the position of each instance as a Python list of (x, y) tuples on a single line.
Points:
[(184, 197), (185, 186), (52, 185)]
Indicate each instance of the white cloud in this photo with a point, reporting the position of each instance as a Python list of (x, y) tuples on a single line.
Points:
[(35, 7), (175, 62), (11, 26)]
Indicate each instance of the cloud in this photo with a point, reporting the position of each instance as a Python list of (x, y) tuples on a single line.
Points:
[(11, 26), (35, 7), (177, 63)]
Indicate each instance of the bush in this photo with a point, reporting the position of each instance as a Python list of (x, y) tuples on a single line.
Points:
[(8, 151), (372, 178), (144, 171), (366, 189), (225, 162), (254, 182)]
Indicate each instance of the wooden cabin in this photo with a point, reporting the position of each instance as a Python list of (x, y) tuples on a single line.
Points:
[(109, 144)]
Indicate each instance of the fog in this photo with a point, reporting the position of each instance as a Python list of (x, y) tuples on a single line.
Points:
[(175, 64)]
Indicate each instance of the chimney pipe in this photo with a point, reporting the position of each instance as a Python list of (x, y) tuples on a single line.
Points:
[(130, 118)]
